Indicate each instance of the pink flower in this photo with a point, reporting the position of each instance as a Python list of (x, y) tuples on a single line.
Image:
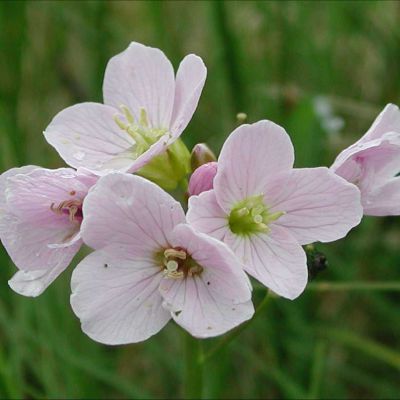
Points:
[(149, 266), (202, 178), (146, 109), (40, 218), (265, 210), (373, 162)]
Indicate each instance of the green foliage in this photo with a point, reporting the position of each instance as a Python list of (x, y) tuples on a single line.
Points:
[(270, 60)]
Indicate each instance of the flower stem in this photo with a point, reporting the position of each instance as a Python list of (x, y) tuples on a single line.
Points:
[(193, 373), (234, 334)]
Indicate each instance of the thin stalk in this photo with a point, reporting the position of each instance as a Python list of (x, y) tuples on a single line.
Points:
[(234, 334), (193, 373)]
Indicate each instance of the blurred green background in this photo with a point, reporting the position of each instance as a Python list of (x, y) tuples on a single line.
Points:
[(323, 70)]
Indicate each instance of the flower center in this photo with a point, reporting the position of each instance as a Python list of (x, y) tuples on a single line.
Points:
[(251, 215), (177, 264), (141, 132), (72, 208)]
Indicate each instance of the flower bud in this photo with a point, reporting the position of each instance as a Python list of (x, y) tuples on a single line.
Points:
[(201, 154), (202, 178)]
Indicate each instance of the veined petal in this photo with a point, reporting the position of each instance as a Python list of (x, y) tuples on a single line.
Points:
[(384, 200), (216, 300), (3, 183), (86, 135), (28, 245), (318, 205), (205, 215), (190, 80), (378, 159), (251, 156), (117, 299), (127, 209), (34, 283), (387, 121), (275, 259), (31, 196), (141, 77)]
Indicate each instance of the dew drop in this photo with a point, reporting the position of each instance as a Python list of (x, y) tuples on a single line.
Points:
[(79, 155)]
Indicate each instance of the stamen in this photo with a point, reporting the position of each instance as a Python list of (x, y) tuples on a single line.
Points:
[(175, 253), (143, 118), (127, 113), (70, 207), (119, 122)]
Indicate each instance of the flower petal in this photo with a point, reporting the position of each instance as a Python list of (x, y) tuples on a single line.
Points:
[(190, 80), (117, 299), (34, 283), (276, 259), (318, 205), (387, 121), (251, 156), (215, 301), (86, 135), (28, 245), (31, 196), (3, 182), (127, 209), (384, 200), (205, 215), (141, 77), (378, 159)]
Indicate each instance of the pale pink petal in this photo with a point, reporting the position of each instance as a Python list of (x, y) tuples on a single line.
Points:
[(34, 283), (387, 121), (31, 196), (190, 80), (28, 245), (117, 299), (251, 156), (86, 135), (3, 182), (141, 77), (276, 259), (205, 215), (384, 200), (379, 157), (127, 209), (215, 301), (318, 204)]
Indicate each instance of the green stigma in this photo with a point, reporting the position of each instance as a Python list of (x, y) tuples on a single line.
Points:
[(141, 132), (251, 215)]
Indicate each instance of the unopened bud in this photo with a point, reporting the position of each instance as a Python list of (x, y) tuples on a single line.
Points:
[(202, 178), (201, 154)]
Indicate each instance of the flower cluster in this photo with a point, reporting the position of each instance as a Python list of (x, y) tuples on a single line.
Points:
[(248, 212)]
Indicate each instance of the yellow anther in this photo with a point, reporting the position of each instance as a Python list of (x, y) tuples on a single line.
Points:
[(175, 253)]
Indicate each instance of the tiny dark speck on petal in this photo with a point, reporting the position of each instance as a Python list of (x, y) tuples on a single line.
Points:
[(208, 283), (105, 265)]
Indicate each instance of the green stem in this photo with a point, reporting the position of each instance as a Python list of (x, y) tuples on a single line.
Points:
[(234, 334), (348, 286), (193, 383)]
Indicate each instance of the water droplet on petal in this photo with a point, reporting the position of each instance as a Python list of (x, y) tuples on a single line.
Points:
[(79, 155)]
